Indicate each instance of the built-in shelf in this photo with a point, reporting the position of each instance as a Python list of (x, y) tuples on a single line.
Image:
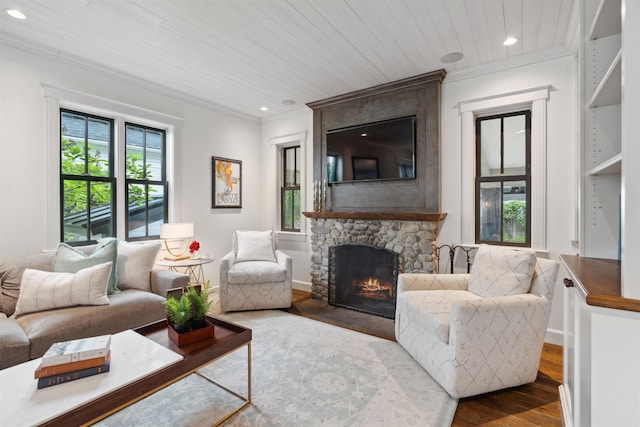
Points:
[(607, 21), (609, 91), (598, 280), (612, 166), (392, 216)]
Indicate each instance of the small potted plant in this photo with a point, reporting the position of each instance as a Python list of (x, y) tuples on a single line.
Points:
[(179, 312), (200, 305)]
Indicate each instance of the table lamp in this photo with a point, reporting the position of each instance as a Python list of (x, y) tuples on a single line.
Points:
[(177, 231)]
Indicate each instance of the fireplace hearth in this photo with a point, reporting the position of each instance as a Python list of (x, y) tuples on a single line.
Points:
[(363, 277)]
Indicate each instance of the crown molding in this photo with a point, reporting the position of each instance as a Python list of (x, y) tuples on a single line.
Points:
[(507, 64), (69, 59)]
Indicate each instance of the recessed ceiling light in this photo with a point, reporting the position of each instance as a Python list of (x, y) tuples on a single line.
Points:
[(15, 13), (452, 57), (288, 102), (363, 135), (509, 41), (263, 108)]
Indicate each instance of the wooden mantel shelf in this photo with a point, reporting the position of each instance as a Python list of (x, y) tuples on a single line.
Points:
[(599, 282), (390, 216)]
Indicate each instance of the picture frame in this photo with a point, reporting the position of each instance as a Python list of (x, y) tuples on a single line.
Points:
[(226, 187), (178, 292), (365, 168)]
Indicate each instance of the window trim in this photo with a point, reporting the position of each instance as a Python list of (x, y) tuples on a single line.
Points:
[(277, 143), (57, 98), (534, 99), (526, 177)]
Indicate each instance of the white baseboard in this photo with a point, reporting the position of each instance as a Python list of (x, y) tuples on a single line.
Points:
[(302, 286), (554, 336)]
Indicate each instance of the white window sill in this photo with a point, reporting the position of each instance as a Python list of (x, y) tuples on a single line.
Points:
[(292, 236)]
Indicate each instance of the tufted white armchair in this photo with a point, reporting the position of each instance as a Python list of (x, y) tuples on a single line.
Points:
[(255, 275), (479, 332)]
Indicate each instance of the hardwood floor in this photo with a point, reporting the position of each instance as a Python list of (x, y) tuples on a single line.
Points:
[(535, 404)]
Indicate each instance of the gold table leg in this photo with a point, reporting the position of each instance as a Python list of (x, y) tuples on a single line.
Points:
[(246, 400)]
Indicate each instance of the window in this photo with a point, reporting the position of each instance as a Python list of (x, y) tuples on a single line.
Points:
[(503, 179), (86, 177), (290, 217), (88, 170), (145, 180)]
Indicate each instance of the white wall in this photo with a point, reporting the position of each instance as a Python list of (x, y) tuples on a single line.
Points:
[(277, 129), (24, 218), (561, 138), (561, 202)]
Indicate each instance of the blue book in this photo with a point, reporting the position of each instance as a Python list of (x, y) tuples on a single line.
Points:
[(74, 375)]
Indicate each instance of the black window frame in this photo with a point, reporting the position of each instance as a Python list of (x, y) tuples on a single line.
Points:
[(88, 179), (502, 178), (284, 188), (146, 182)]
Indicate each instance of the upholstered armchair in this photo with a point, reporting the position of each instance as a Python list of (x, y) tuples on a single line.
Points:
[(483, 331), (255, 275)]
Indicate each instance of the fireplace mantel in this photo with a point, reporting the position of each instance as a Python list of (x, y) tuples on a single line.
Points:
[(388, 216)]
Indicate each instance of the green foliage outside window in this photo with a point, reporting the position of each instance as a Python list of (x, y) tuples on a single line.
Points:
[(75, 192), (514, 215), (137, 170)]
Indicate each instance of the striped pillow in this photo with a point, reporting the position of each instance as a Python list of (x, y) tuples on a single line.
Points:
[(44, 290)]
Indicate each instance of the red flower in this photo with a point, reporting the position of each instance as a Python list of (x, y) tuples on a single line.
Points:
[(194, 246)]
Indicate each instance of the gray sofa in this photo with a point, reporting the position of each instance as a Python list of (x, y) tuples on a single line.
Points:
[(28, 336)]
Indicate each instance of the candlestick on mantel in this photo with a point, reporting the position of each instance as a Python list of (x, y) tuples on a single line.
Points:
[(324, 195)]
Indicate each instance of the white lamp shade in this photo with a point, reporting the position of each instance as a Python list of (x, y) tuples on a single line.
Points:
[(181, 230)]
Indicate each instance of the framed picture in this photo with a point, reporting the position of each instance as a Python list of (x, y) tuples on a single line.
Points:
[(365, 168), (226, 188), (178, 292)]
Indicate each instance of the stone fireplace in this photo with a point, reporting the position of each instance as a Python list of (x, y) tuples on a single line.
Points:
[(408, 234)]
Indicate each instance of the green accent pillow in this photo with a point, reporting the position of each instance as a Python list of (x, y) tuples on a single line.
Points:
[(70, 260)]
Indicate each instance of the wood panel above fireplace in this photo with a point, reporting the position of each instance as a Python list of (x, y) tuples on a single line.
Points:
[(417, 96)]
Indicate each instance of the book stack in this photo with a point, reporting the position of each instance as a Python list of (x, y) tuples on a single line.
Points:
[(71, 360)]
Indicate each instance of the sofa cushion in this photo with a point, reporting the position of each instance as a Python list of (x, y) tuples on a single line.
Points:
[(70, 260), (498, 271), (44, 290), (15, 344), (255, 246), (135, 261), (252, 272), (432, 309), (128, 309)]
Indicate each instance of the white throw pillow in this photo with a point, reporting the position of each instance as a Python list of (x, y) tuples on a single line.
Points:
[(45, 290), (255, 246), (135, 261), (498, 271)]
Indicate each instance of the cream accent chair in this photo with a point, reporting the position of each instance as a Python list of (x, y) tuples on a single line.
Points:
[(479, 332), (255, 275)]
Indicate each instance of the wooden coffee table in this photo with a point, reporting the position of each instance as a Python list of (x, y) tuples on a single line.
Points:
[(228, 338)]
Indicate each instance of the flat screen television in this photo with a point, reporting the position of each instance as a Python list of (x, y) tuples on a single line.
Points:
[(372, 151)]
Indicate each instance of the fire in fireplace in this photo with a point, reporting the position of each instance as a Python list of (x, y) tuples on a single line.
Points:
[(363, 278)]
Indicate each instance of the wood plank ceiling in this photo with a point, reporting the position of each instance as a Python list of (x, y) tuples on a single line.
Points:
[(244, 54)]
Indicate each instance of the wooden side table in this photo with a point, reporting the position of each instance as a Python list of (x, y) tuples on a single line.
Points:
[(192, 267)]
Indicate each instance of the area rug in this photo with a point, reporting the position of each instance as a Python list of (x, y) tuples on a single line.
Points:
[(305, 373)]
